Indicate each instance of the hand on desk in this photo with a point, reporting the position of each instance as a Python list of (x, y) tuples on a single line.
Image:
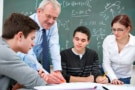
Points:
[(90, 78), (102, 79), (17, 86), (117, 82), (52, 78)]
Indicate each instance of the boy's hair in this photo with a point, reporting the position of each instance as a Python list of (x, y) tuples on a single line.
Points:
[(18, 23), (84, 30)]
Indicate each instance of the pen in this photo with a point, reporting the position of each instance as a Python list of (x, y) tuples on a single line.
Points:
[(94, 87), (105, 74), (105, 88)]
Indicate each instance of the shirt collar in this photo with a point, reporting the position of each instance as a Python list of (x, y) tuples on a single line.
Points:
[(37, 21), (131, 40)]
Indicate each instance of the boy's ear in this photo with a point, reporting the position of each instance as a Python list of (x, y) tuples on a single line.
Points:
[(19, 36)]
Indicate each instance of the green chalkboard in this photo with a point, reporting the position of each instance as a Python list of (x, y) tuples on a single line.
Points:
[(95, 14)]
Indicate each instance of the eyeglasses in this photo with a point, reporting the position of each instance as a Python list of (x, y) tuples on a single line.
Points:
[(118, 30)]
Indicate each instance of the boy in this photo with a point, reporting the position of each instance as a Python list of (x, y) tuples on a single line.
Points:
[(80, 64), (18, 35)]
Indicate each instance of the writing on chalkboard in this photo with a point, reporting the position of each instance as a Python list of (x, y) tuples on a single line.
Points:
[(64, 24), (112, 8), (78, 12)]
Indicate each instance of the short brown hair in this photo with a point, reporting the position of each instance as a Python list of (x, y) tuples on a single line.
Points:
[(18, 22)]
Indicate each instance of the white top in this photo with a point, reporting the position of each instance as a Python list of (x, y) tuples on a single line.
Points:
[(118, 65)]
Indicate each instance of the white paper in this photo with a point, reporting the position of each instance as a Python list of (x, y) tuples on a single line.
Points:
[(84, 86)]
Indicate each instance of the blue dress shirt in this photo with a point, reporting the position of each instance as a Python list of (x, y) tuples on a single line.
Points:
[(36, 52)]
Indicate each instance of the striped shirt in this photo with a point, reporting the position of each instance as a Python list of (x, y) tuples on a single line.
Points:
[(73, 65)]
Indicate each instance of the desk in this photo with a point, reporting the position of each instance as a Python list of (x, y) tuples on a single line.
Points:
[(85, 86)]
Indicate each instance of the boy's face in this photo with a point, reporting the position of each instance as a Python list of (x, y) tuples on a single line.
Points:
[(80, 41), (25, 44)]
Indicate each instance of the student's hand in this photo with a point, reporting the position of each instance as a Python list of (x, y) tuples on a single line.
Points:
[(102, 79), (43, 75), (117, 82), (17, 86), (55, 78), (90, 78), (52, 78)]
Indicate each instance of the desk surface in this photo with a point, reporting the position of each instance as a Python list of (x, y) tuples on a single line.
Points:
[(85, 86)]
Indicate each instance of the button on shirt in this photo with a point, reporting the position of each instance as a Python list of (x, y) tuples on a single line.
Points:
[(54, 48), (118, 65)]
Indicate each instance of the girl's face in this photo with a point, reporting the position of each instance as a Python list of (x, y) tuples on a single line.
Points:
[(120, 31)]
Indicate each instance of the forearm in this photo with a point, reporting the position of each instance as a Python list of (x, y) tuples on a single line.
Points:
[(77, 79), (55, 48), (107, 65), (81, 79), (110, 73), (56, 60)]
